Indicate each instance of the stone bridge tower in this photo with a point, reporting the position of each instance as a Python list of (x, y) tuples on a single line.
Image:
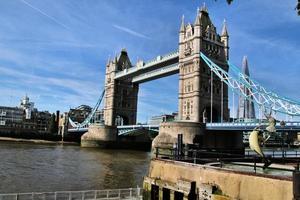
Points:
[(195, 75), (121, 95)]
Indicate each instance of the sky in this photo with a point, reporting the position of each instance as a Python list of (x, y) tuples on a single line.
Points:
[(55, 51)]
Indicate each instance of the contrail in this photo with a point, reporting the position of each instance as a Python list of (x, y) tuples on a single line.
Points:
[(43, 13), (127, 30)]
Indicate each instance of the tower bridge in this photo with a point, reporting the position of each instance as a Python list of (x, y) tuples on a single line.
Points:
[(122, 78), (202, 62)]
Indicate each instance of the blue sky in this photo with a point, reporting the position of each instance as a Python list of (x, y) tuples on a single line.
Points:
[(56, 50)]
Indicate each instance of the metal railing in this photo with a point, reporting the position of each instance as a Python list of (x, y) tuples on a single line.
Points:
[(278, 153), (115, 194), (249, 159)]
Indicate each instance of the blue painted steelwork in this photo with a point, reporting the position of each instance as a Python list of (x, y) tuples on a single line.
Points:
[(261, 96), (237, 81), (249, 126), (123, 130), (87, 120)]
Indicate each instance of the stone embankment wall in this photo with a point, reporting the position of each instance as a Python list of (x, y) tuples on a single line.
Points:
[(213, 182)]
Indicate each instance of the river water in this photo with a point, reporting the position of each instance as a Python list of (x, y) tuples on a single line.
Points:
[(28, 167)]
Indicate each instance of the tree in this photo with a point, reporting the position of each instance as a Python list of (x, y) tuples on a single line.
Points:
[(297, 7)]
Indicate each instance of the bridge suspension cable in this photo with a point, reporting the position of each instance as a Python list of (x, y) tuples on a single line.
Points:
[(253, 91), (88, 119)]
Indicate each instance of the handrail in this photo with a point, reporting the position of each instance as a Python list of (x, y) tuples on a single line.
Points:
[(128, 193), (192, 155)]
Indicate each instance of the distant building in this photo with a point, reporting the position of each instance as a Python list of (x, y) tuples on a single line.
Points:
[(156, 120), (24, 119), (63, 124), (10, 116), (246, 109), (27, 106), (42, 120), (80, 113)]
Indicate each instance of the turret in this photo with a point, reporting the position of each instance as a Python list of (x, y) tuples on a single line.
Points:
[(197, 25), (181, 37), (225, 39), (197, 32)]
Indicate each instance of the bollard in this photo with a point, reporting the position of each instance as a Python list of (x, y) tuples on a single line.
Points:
[(180, 144), (296, 185)]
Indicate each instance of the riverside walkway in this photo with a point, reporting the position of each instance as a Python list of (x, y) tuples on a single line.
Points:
[(113, 194)]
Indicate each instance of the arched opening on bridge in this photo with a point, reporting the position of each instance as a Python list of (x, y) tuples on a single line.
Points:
[(216, 116), (121, 120)]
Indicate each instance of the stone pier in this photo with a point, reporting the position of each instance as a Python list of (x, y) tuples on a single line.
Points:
[(168, 132), (195, 133), (99, 135)]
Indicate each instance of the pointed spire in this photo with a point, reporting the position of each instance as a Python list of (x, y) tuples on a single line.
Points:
[(245, 67), (224, 29), (204, 8), (182, 27), (197, 21), (108, 60)]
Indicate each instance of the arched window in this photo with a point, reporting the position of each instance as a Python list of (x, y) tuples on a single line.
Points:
[(188, 107)]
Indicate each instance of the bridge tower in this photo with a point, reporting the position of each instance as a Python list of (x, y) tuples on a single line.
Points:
[(194, 75), (121, 95)]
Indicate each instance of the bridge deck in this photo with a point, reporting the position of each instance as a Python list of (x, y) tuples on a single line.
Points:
[(235, 126)]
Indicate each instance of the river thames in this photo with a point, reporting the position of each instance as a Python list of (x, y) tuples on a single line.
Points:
[(26, 167)]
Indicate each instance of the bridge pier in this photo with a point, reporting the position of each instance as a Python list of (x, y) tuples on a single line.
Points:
[(195, 133), (168, 132), (99, 135)]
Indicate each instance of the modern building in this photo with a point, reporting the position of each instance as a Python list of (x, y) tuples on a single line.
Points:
[(80, 113), (246, 111), (24, 119), (42, 120), (156, 120), (10, 116)]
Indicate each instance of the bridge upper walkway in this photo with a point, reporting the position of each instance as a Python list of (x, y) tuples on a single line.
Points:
[(159, 67)]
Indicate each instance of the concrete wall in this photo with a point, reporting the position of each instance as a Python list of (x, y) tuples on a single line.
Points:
[(230, 184)]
